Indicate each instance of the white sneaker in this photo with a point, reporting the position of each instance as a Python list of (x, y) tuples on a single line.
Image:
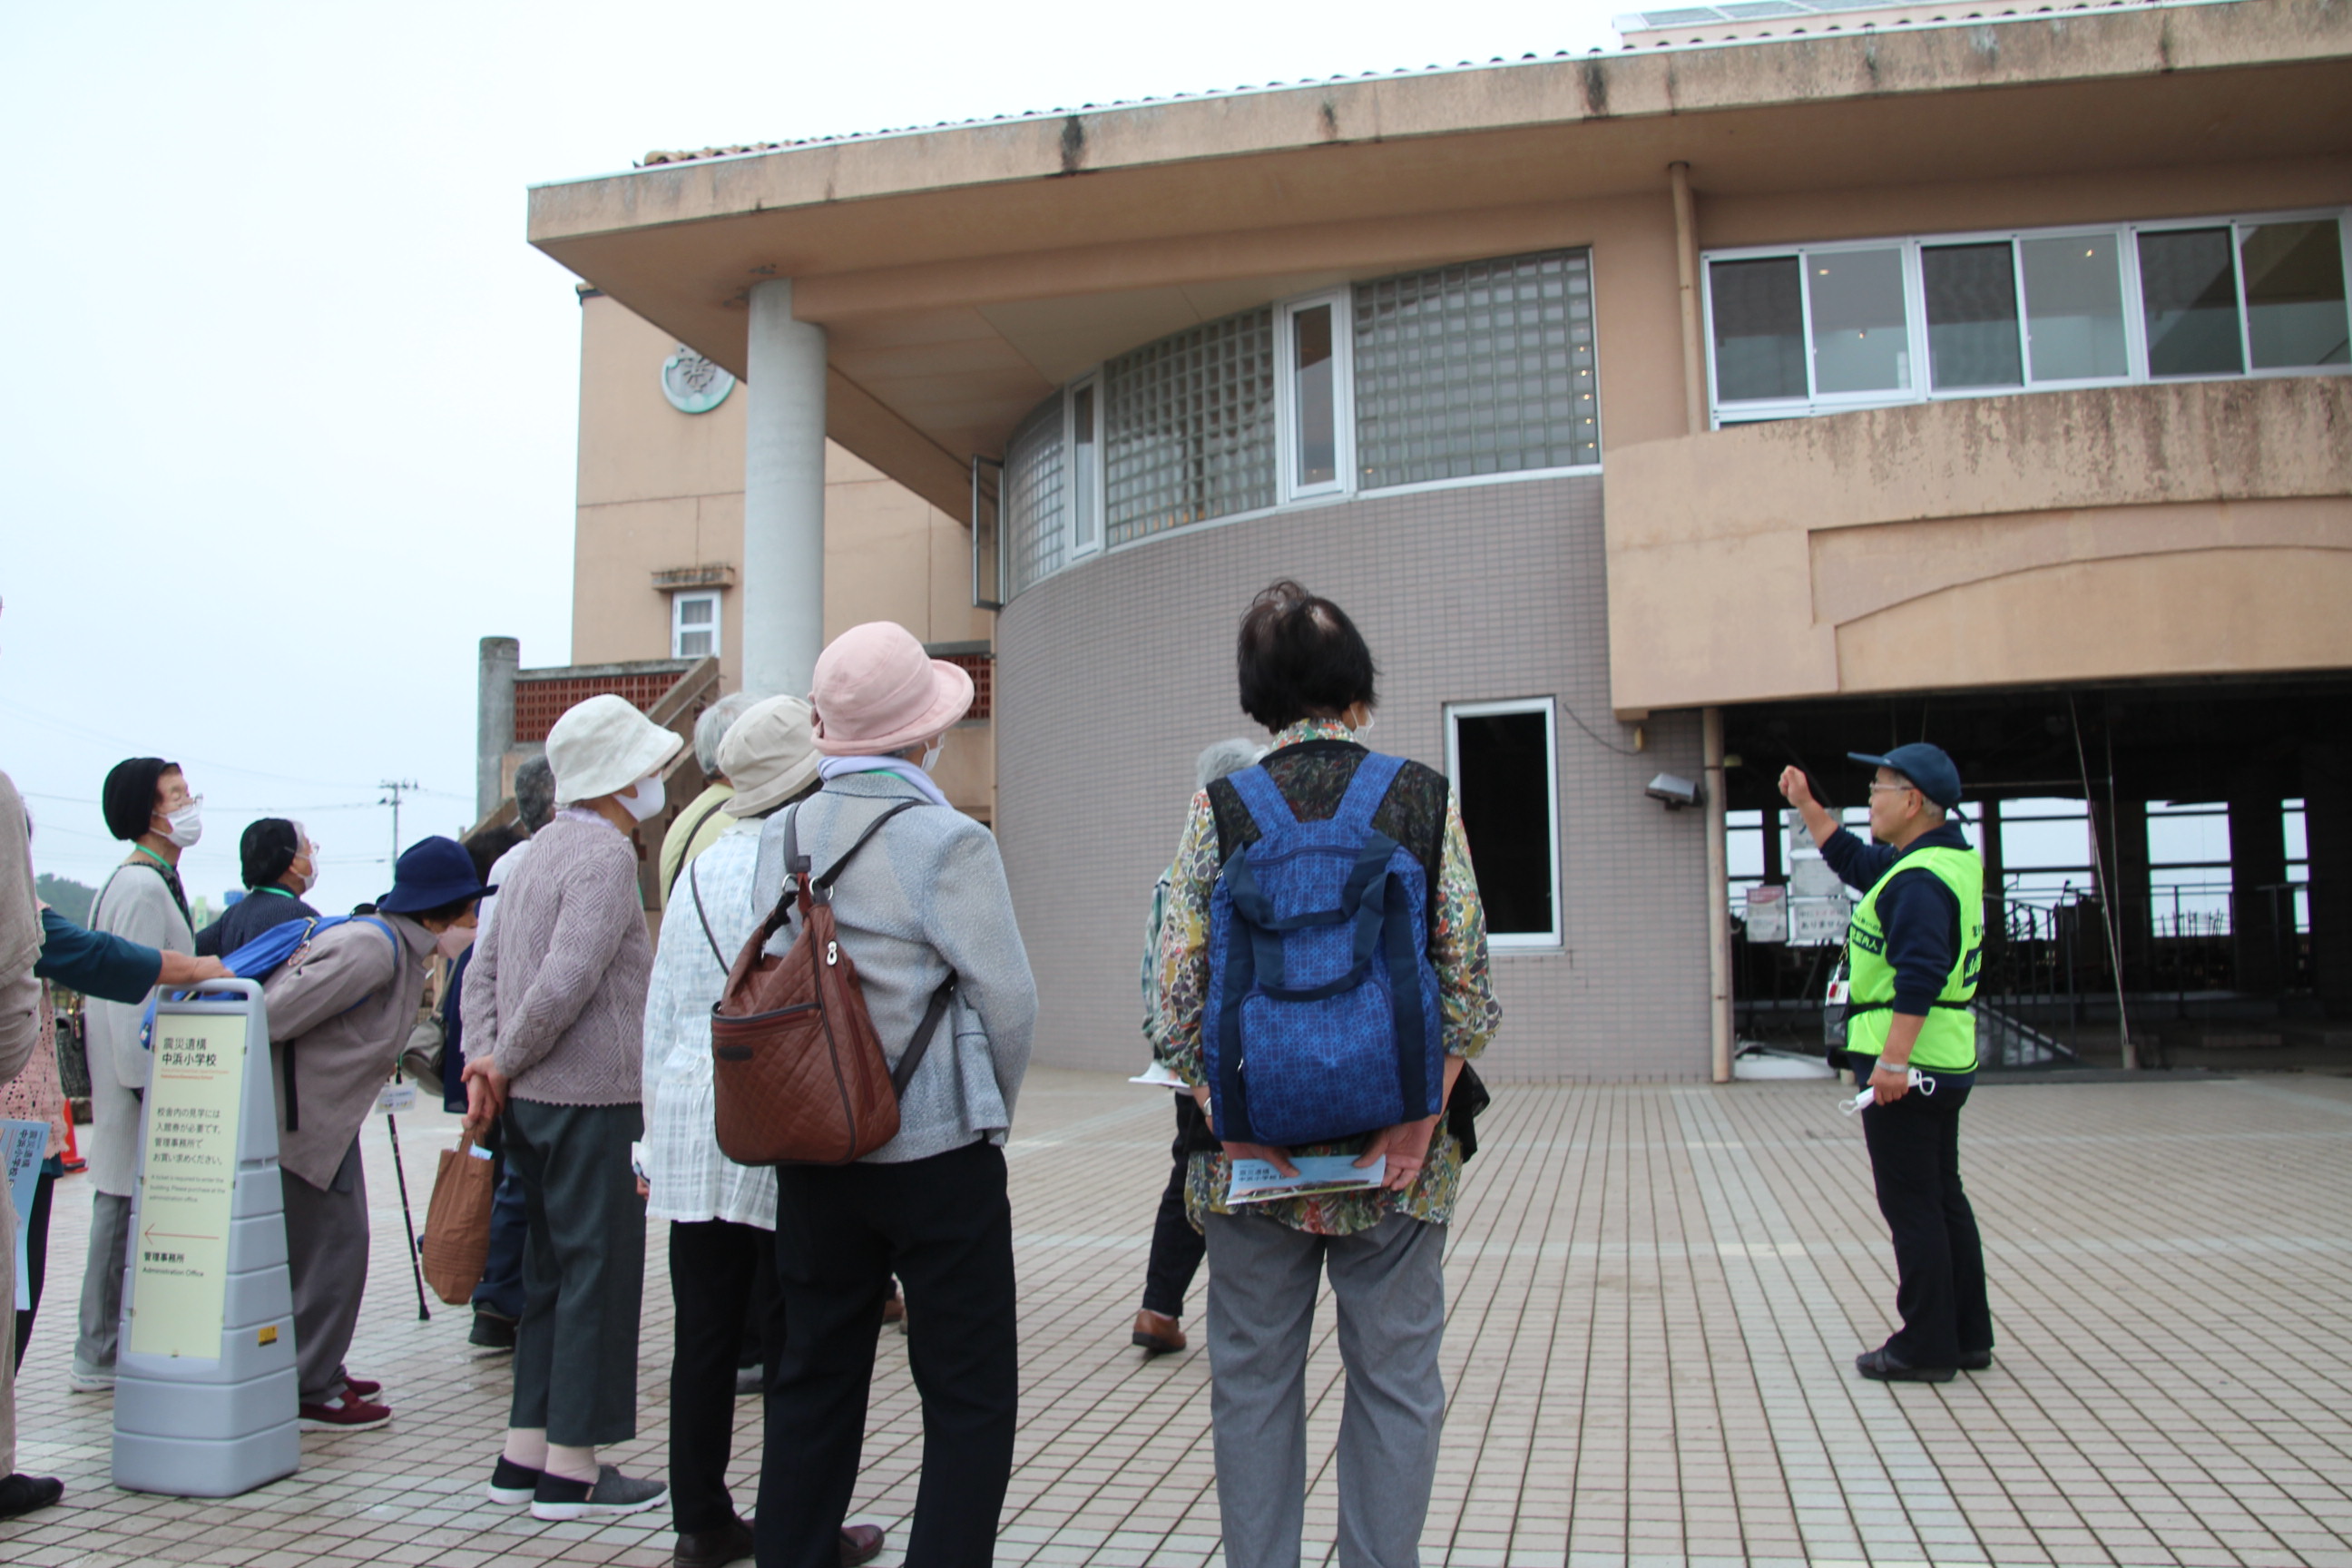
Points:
[(82, 1380)]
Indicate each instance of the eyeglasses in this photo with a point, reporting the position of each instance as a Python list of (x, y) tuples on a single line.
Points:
[(1876, 786)]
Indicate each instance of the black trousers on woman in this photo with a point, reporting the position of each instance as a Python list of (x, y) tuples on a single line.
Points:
[(1176, 1247), (716, 1269), (1915, 1162), (944, 1226)]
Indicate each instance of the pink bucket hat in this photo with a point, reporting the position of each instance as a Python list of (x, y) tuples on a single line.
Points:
[(876, 691)]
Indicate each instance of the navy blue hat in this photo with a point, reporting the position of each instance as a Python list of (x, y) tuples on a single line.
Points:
[(430, 874), (1925, 765)]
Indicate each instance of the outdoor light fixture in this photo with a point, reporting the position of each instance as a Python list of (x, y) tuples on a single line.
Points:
[(1672, 791)]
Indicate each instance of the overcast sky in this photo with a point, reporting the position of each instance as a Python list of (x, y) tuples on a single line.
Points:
[(288, 417)]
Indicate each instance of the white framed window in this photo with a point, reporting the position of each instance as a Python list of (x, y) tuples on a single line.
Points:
[(1503, 758), (1315, 412), (693, 624), (1805, 330), (1082, 439)]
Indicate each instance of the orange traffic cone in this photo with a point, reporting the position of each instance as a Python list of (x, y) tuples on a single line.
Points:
[(73, 1159)]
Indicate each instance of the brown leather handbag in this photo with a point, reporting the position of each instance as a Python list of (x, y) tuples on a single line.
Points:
[(800, 1077)]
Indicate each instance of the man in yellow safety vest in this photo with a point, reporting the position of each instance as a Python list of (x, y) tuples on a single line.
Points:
[(1913, 953)]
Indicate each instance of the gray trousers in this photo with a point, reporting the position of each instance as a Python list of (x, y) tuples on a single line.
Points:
[(1390, 1291), (583, 1271), (327, 1258), (101, 1283)]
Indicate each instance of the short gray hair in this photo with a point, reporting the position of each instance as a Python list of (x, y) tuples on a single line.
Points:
[(535, 793), (711, 728), (1226, 757)]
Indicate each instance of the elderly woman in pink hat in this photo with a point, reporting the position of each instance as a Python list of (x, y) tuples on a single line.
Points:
[(924, 904)]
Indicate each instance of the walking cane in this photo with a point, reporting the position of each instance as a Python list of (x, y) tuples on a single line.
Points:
[(409, 1221)]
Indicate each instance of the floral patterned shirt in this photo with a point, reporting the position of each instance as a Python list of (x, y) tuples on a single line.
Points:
[(1457, 951)]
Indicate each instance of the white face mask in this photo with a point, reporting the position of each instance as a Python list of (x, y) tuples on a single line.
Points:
[(931, 753), (1366, 727), (187, 823), (647, 799)]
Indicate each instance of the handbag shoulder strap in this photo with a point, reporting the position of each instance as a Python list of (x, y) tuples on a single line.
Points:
[(797, 863), (903, 1073), (694, 885), (685, 856)]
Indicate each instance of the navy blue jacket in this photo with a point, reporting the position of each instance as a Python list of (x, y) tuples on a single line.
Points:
[(248, 917), (1918, 912)]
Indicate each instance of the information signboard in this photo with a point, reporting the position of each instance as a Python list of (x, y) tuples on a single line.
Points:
[(1768, 914), (1819, 923), (206, 1394)]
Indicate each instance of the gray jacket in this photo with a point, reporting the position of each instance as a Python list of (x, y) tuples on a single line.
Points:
[(925, 898), (137, 905), (343, 1005)]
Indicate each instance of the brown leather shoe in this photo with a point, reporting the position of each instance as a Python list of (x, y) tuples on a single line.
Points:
[(860, 1544), (731, 1542), (1157, 1333)]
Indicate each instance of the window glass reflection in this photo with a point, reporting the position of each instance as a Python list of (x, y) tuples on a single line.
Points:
[(1313, 395), (2074, 307), (1086, 527), (1860, 341), (1971, 293), (2188, 292), (1760, 328), (2294, 294)]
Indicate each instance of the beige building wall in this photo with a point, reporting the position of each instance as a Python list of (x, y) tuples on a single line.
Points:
[(661, 491)]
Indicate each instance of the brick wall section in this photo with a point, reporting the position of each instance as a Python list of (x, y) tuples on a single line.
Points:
[(540, 702), (1113, 676)]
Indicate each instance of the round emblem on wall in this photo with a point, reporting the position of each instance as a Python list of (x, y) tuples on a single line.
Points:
[(692, 384)]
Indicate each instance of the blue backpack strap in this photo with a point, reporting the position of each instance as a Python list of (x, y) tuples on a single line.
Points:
[(1367, 790), (1264, 801)]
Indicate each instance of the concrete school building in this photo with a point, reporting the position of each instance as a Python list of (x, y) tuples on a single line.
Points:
[(1772, 387)]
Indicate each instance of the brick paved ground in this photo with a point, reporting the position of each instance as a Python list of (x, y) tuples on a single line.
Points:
[(1655, 1294)]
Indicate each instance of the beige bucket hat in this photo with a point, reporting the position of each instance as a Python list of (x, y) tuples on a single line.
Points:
[(770, 753)]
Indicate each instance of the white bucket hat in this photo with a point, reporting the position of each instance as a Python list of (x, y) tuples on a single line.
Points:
[(769, 754), (603, 746)]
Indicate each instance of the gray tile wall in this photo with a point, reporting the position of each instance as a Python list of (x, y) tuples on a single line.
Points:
[(1111, 677)]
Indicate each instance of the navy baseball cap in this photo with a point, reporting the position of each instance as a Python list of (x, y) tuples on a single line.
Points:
[(1924, 766)]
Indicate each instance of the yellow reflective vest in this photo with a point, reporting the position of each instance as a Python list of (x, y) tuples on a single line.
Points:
[(1947, 1040)]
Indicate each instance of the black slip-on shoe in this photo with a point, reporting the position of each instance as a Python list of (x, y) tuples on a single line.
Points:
[(513, 1484), (21, 1494), (1976, 1360), (731, 1542), (610, 1495), (1882, 1366), (491, 1332)]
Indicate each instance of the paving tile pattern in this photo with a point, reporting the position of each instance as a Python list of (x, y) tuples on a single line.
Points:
[(1656, 1292)]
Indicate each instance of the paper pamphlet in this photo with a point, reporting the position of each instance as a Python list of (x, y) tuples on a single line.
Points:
[(22, 1143), (1158, 1077), (1256, 1180)]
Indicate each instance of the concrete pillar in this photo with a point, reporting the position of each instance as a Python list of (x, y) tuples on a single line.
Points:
[(2328, 826), (494, 702), (1718, 898), (2123, 852), (783, 496), (2257, 866)]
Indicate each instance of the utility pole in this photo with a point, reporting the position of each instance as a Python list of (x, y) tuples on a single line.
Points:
[(394, 789)]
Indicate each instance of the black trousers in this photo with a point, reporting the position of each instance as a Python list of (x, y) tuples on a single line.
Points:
[(1915, 1162), (717, 1271), (944, 1226), (583, 1269), (36, 1256), (1176, 1247)]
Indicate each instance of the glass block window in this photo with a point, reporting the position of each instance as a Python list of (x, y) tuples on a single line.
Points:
[(1188, 428), (1480, 369), (1034, 524)]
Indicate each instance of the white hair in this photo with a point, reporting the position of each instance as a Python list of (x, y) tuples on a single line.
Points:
[(1226, 757), (711, 728)]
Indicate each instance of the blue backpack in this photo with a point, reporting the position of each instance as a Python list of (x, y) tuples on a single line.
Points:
[(1322, 1018), (265, 955)]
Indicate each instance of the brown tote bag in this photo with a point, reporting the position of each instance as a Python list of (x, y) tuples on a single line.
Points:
[(799, 1076), (456, 1245)]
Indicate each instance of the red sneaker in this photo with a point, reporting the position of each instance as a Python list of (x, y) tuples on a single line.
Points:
[(343, 1414), (361, 1387)]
